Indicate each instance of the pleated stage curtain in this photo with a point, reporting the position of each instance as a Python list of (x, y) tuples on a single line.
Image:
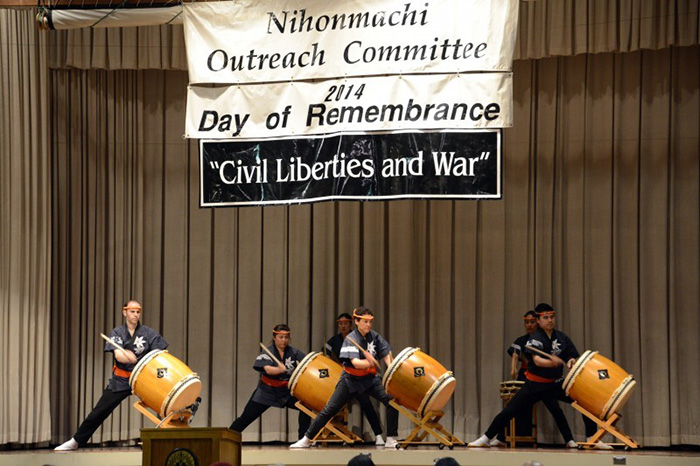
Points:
[(25, 232), (600, 217)]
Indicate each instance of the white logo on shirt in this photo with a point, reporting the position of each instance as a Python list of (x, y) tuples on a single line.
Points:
[(371, 349), (118, 340), (139, 344), (289, 363), (556, 347)]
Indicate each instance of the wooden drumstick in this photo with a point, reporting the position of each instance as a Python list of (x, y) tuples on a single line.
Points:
[(542, 353), (376, 363), (271, 355), (112, 342)]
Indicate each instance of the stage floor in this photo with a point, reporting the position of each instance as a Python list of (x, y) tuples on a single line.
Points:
[(255, 454)]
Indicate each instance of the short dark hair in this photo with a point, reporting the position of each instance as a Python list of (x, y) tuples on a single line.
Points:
[(361, 460), (344, 315), (447, 461), (530, 313), (543, 307)]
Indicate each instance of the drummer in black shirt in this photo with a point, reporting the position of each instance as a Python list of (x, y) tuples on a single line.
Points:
[(544, 380), (523, 420), (273, 386), (332, 350)]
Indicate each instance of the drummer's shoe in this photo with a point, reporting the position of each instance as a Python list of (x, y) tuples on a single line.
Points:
[(391, 444), (305, 442), (497, 443), (600, 445), (379, 441), (482, 441), (70, 445), (571, 444)]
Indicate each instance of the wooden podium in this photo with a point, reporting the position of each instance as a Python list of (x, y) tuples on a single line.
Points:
[(196, 446)]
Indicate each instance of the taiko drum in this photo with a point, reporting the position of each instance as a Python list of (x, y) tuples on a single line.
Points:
[(418, 382), (599, 385), (165, 384), (314, 380)]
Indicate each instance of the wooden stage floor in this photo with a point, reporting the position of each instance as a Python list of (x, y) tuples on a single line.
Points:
[(278, 454)]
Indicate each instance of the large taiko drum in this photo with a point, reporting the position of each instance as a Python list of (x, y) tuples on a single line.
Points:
[(598, 384), (165, 384), (418, 382), (314, 380)]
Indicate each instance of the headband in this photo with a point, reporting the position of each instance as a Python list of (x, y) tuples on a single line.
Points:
[(280, 332), (126, 308), (358, 316), (545, 313)]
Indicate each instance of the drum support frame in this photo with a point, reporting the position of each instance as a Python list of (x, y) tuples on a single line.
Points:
[(332, 427), (604, 427), (166, 423), (428, 424)]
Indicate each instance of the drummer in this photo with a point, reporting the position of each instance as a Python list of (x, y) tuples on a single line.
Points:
[(359, 376), (137, 341), (332, 350), (273, 387), (515, 351), (523, 421), (544, 380)]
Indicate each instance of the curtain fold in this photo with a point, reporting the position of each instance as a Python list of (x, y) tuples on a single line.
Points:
[(25, 232), (546, 28), (600, 217)]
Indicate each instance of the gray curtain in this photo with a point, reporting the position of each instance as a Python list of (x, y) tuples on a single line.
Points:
[(600, 217), (25, 232)]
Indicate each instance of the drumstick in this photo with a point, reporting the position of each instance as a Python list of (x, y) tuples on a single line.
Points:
[(271, 355), (376, 363), (112, 342), (546, 355)]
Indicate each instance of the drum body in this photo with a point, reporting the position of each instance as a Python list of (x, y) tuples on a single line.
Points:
[(598, 384), (164, 383), (314, 380), (418, 382), (509, 388)]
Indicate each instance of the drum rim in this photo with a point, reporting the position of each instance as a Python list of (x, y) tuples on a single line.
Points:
[(393, 367), (141, 364), (625, 388), (300, 369), (576, 370), (183, 383), (437, 388)]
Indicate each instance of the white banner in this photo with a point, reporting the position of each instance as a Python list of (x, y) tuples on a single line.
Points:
[(383, 103), (246, 41)]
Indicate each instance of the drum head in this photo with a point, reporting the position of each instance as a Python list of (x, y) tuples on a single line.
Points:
[(396, 363), (439, 394), (301, 367), (576, 370), (184, 394)]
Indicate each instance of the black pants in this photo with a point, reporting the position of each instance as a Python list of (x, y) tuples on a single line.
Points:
[(341, 396), (547, 393), (108, 402), (254, 410), (370, 413), (523, 424)]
